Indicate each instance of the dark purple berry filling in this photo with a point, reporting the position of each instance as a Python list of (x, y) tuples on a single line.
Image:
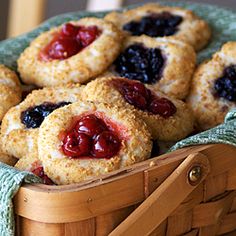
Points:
[(140, 63), (136, 94), (34, 116), (155, 25), (225, 86)]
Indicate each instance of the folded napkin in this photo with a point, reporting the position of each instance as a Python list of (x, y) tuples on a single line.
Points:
[(223, 30)]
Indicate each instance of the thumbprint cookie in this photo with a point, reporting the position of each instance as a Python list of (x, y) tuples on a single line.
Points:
[(213, 91), (163, 64), (74, 52), (169, 119), (19, 130), (89, 139), (34, 165), (10, 90), (161, 21)]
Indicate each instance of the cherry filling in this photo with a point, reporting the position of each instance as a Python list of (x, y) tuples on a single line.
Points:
[(155, 25), (225, 86), (140, 63), (90, 137), (40, 173), (136, 94), (69, 41), (34, 116)]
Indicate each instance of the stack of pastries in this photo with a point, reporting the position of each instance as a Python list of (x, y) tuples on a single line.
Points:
[(112, 92)]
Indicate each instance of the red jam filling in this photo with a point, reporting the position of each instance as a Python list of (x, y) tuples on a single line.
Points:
[(136, 94), (40, 173), (90, 137), (69, 41)]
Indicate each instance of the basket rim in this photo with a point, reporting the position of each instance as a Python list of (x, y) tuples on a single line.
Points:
[(163, 159)]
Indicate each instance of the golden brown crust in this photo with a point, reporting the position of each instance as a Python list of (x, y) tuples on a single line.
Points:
[(173, 128), (192, 30), (208, 109), (19, 141), (180, 60), (79, 68), (135, 147), (27, 163), (10, 91)]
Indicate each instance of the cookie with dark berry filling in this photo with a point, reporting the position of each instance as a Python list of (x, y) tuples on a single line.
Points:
[(157, 21), (164, 65), (213, 90), (19, 129), (168, 119)]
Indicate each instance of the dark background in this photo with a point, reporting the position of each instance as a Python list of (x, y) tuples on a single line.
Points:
[(55, 7)]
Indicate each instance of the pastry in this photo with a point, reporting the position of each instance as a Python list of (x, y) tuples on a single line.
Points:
[(19, 130), (168, 119), (164, 64), (86, 139), (156, 21), (34, 165), (9, 89), (73, 52), (213, 90)]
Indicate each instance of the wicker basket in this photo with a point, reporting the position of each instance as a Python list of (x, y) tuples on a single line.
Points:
[(187, 192)]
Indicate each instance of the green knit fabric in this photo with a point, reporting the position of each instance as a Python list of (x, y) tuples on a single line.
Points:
[(222, 21), (10, 181)]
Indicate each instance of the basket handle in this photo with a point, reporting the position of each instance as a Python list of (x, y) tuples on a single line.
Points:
[(166, 198)]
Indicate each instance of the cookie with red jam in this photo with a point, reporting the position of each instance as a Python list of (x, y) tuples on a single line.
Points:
[(10, 90), (87, 139), (158, 21), (163, 64), (213, 90), (19, 130), (73, 52), (168, 119), (34, 165)]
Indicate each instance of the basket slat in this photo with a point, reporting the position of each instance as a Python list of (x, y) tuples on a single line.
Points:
[(180, 223), (211, 213), (161, 203), (99, 206)]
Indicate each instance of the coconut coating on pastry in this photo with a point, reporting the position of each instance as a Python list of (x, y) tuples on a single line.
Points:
[(79, 68), (10, 91), (172, 124), (34, 165), (28, 163), (213, 89), (173, 22), (19, 130), (134, 138), (175, 59)]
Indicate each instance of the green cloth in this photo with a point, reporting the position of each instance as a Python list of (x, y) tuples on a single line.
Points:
[(222, 21), (10, 181)]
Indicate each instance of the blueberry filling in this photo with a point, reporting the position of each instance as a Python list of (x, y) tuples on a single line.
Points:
[(34, 116), (155, 25), (225, 86), (140, 63)]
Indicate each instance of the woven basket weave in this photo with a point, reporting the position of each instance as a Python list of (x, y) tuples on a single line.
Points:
[(187, 192)]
